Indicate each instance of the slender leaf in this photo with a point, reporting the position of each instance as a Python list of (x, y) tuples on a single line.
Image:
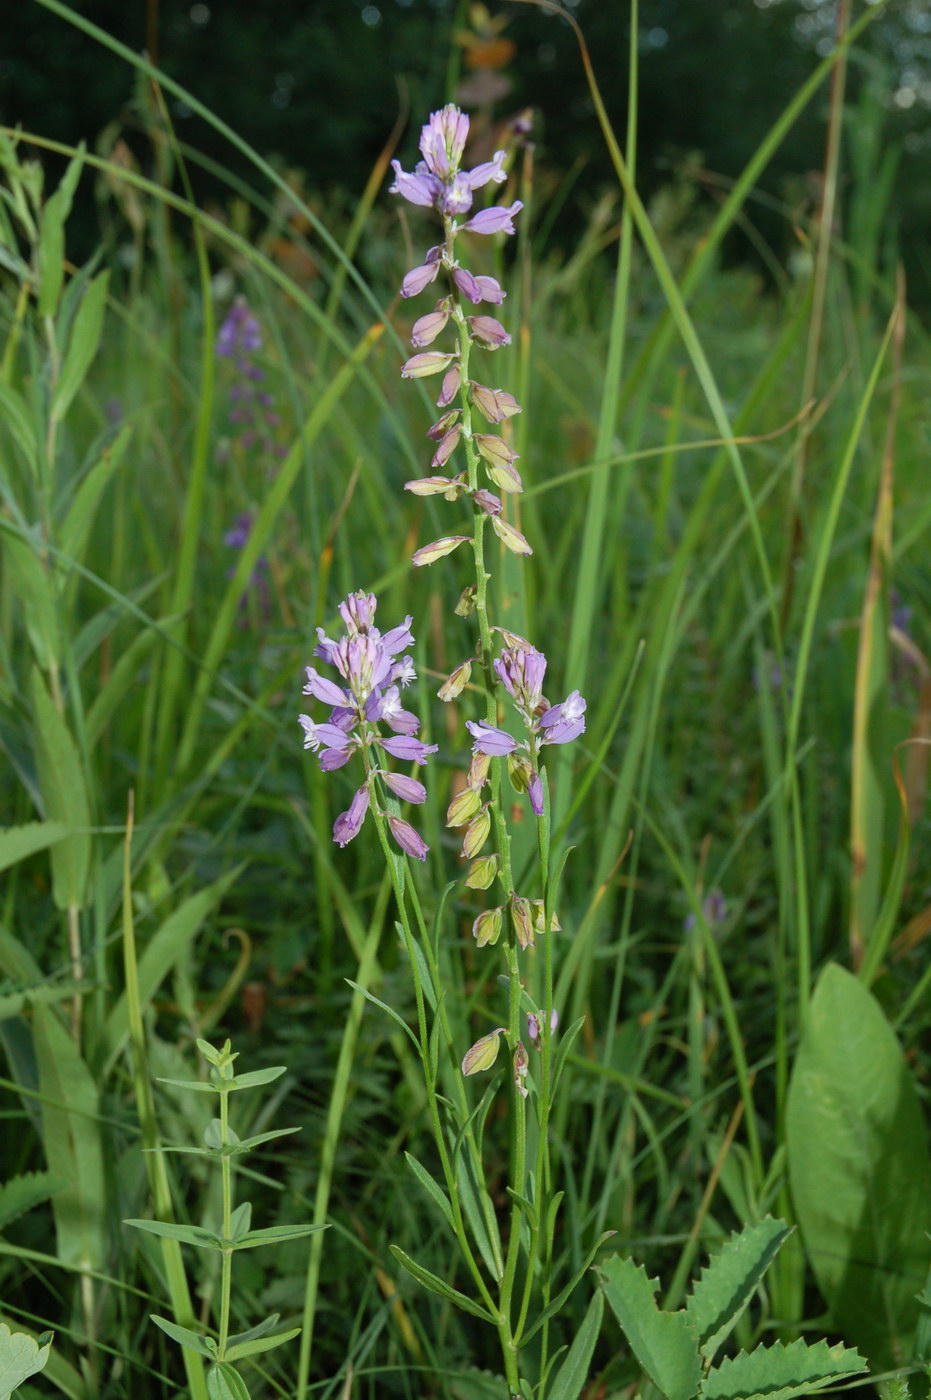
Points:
[(439, 1286), (61, 779), (194, 1341), (573, 1373), (436, 1193), (234, 1352), (225, 1383), (82, 345)]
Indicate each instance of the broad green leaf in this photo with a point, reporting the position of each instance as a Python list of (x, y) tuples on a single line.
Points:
[(432, 1188), (82, 344), (20, 1193), (21, 1356), (235, 1352), (573, 1372), (65, 1376), (780, 1372), (71, 1138), (859, 1168), (664, 1344), (186, 1338), (225, 1383), (185, 1234), (159, 956), (72, 536), (61, 779), (440, 1286), (729, 1280), (18, 842)]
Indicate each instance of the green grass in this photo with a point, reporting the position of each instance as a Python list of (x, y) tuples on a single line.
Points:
[(747, 707)]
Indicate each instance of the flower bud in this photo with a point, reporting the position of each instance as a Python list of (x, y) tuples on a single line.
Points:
[(464, 806), (488, 332), (465, 607), (494, 404), (456, 682), (450, 387), (487, 502), (536, 909), (483, 1053), (425, 330), (521, 920), (442, 425), (521, 1065), (511, 539), (430, 362), (447, 447), (431, 486), (506, 477), (520, 771), (482, 872), (477, 775), (477, 834), (430, 553), (407, 838), (487, 927)]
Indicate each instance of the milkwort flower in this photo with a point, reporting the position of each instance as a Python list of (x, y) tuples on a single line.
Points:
[(372, 672), (521, 669), (438, 182)]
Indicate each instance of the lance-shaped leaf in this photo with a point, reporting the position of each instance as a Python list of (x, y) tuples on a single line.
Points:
[(225, 1383), (440, 1286), (204, 1346), (259, 1344), (573, 1373), (728, 1282), (82, 344), (61, 779), (780, 1372), (186, 1234), (663, 1343)]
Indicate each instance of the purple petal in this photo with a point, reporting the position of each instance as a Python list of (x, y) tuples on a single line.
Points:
[(407, 838), (399, 638), (421, 187), (490, 289), (408, 789), (323, 689), (488, 170), (457, 196), (467, 284), (349, 823), (497, 219), (488, 739), (407, 748), (563, 723), (420, 277), (332, 759), (535, 793)]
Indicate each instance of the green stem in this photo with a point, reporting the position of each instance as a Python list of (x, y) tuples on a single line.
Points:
[(226, 1266)]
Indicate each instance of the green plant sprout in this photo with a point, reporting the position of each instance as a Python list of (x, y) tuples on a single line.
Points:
[(222, 1144)]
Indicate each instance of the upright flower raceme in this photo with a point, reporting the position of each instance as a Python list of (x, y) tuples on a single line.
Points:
[(439, 183), (521, 669), (372, 671)]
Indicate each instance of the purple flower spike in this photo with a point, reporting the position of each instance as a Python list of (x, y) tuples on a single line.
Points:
[(408, 749), (407, 838), (521, 671), (497, 219), (564, 722), (442, 140), (488, 739), (348, 824)]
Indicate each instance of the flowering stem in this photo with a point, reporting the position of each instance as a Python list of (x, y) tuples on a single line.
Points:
[(226, 1257)]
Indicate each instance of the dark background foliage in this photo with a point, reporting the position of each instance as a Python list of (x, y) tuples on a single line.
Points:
[(318, 85)]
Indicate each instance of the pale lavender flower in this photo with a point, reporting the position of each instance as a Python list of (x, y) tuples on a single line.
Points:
[(372, 669), (487, 738), (240, 334), (407, 838), (533, 1023), (714, 909), (348, 824), (563, 723), (488, 332), (497, 219)]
